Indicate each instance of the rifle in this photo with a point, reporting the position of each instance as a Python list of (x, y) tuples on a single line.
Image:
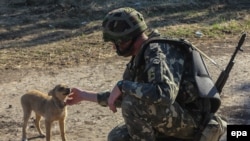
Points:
[(225, 73)]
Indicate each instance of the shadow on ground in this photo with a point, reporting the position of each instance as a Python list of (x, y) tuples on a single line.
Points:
[(29, 26)]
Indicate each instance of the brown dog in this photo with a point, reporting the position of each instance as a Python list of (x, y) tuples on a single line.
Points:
[(51, 106)]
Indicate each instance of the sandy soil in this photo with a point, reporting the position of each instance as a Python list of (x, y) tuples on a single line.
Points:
[(21, 70), (90, 122), (85, 121)]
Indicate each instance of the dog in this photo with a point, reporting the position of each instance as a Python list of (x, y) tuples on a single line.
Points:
[(51, 106)]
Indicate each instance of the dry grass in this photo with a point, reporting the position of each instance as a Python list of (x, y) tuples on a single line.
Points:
[(45, 37)]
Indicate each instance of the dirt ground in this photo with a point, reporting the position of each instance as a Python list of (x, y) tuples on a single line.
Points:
[(88, 121)]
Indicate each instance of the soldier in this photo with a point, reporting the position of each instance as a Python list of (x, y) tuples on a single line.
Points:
[(158, 97)]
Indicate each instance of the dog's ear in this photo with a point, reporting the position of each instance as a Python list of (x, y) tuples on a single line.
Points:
[(51, 92)]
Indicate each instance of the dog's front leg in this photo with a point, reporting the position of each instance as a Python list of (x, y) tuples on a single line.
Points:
[(62, 128), (48, 129)]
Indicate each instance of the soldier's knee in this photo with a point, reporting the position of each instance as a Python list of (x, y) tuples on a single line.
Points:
[(119, 133), (112, 137)]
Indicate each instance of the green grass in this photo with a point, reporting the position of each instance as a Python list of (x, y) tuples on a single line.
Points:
[(219, 29)]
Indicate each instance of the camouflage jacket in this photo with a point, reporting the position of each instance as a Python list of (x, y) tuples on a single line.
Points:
[(155, 75)]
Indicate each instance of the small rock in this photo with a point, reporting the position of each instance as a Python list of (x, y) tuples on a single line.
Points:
[(10, 106), (198, 34)]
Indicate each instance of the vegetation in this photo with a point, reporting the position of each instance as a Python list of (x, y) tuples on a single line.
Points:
[(49, 36)]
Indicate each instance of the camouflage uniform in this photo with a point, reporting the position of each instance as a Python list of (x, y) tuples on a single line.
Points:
[(150, 85)]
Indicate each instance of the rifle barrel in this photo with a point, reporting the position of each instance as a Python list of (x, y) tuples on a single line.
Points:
[(221, 81)]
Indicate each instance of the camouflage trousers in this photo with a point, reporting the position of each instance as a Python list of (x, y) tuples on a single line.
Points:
[(152, 122)]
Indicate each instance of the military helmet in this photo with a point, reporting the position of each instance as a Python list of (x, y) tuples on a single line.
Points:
[(123, 24)]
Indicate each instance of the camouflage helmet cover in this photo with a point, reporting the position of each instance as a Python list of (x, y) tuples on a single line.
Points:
[(123, 24)]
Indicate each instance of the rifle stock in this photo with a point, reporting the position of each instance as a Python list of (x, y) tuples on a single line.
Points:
[(222, 79)]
